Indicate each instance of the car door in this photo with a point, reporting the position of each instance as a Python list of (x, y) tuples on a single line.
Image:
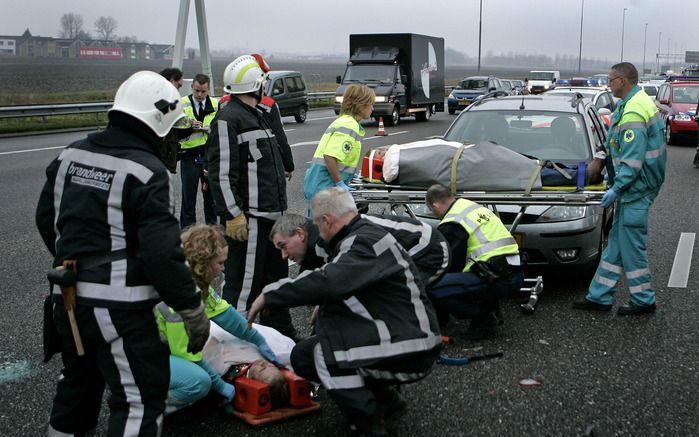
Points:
[(278, 93), (662, 101)]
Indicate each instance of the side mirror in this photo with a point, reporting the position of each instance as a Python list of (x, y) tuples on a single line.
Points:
[(663, 101), (492, 88), (338, 79), (604, 111)]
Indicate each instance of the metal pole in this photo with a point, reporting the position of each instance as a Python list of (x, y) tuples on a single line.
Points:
[(623, 23), (645, 33), (657, 55), (204, 41), (181, 34), (480, 33), (582, 9)]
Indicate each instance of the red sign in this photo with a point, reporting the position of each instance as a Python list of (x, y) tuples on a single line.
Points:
[(100, 53)]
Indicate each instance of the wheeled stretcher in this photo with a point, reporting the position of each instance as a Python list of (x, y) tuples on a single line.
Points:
[(400, 198)]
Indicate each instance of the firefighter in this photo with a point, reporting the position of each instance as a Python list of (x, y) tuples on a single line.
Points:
[(106, 205), (247, 180), (375, 328)]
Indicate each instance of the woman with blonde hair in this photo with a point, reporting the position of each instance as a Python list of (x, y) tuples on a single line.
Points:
[(337, 156), (191, 378)]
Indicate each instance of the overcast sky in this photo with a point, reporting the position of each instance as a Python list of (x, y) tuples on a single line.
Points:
[(316, 26)]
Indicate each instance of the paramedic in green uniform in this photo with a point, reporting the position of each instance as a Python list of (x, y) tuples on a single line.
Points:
[(636, 157), (337, 156)]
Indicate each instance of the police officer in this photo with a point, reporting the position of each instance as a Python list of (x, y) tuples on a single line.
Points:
[(485, 263), (106, 205), (375, 326), (636, 158), (248, 183), (201, 109)]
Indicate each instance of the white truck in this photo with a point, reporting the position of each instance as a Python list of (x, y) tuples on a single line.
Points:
[(542, 80)]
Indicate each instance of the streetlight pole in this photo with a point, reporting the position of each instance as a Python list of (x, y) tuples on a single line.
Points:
[(480, 33), (645, 33), (657, 56), (623, 23), (582, 9)]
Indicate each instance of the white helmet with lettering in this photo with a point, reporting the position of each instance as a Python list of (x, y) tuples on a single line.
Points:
[(243, 76), (150, 98)]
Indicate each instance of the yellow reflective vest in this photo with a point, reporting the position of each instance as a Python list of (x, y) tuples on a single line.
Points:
[(487, 236), (198, 137)]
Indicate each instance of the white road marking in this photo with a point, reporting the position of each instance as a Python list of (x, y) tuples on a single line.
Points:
[(322, 118), (31, 150), (679, 275), (289, 130), (389, 135)]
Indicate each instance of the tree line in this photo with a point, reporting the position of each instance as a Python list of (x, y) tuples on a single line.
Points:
[(72, 27)]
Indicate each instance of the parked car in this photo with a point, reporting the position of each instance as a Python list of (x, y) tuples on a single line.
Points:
[(677, 103), (518, 86), (549, 235), (469, 89), (600, 97), (506, 85), (289, 90), (650, 88)]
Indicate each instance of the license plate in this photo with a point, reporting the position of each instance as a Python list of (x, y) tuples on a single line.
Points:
[(464, 102), (519, 238)]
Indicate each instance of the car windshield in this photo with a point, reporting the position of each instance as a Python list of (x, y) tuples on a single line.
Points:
[(685, 94), (554, 136), (541, 75), (370, 73), (473, 84), (650, 90)]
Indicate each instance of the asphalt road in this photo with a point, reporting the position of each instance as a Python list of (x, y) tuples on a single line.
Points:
[(603, 375)]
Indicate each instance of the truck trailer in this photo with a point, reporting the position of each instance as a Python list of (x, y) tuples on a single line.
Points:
[(405, 70)]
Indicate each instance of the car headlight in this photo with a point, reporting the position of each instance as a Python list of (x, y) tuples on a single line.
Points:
[(381, 99), (546, 86), (562, 214), (683, 117), (338, 99)]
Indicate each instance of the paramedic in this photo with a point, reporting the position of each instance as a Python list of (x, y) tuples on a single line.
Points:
[(248, 184), (636, 157), (106, 204), (370, 289), (485, 263), (337, 156)]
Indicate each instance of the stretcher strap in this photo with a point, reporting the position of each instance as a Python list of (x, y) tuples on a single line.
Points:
[(371, 164), (454, 167), (534, 177), (561, 171)]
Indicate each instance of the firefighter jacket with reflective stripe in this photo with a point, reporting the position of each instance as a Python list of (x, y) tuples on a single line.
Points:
[(172, 327), (371, 306), (271, 109), (342, 141), (246, 173), (198, 137), (636, 147), (487, 236), (111, 192)]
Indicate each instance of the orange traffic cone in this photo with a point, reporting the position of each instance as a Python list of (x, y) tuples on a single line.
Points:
[(381, 132)]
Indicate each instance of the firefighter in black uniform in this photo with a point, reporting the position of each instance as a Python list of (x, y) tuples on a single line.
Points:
[(375, 326), (247, 181), (106, 205)]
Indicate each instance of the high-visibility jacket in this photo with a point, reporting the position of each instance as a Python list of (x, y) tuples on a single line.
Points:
[(636, 147), (199, 137), (172, 326), (487, 236), (342, 141)]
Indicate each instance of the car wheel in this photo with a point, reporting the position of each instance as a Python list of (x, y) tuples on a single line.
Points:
[(670, 138), (452, 111), (424, 116), (394, 118), (300, 116)]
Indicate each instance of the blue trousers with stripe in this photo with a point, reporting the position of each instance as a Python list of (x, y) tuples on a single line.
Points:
[(625, 253)]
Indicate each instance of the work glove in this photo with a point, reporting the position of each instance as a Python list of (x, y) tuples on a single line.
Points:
[(344, 186), (228, 393), (609, 198), (268, 355), (237, 228), (197, 326)]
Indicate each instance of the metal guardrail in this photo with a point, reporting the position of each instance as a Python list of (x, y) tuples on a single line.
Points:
[(92, 108)]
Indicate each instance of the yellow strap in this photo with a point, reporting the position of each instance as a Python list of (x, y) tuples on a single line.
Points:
[(454, 167)]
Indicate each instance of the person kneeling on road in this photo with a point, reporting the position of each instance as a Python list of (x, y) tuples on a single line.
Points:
[(371, 289), (191, 378), (485, 263)]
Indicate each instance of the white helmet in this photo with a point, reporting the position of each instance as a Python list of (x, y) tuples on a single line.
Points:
[(150, 98), (243, 76)]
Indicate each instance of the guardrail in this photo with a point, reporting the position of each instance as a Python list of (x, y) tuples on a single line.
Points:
[(93, 108)]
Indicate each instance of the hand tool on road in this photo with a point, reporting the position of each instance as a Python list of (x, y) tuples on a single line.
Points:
[(460, 361)]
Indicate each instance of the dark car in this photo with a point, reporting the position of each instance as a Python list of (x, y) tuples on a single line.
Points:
[(677, 102), (469, 89), (289, 90)]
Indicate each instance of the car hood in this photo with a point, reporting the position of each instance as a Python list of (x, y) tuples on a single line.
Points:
[(379, 89), (468, 93)]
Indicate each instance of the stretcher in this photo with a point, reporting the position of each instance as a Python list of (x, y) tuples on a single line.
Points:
[(400, 198)]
